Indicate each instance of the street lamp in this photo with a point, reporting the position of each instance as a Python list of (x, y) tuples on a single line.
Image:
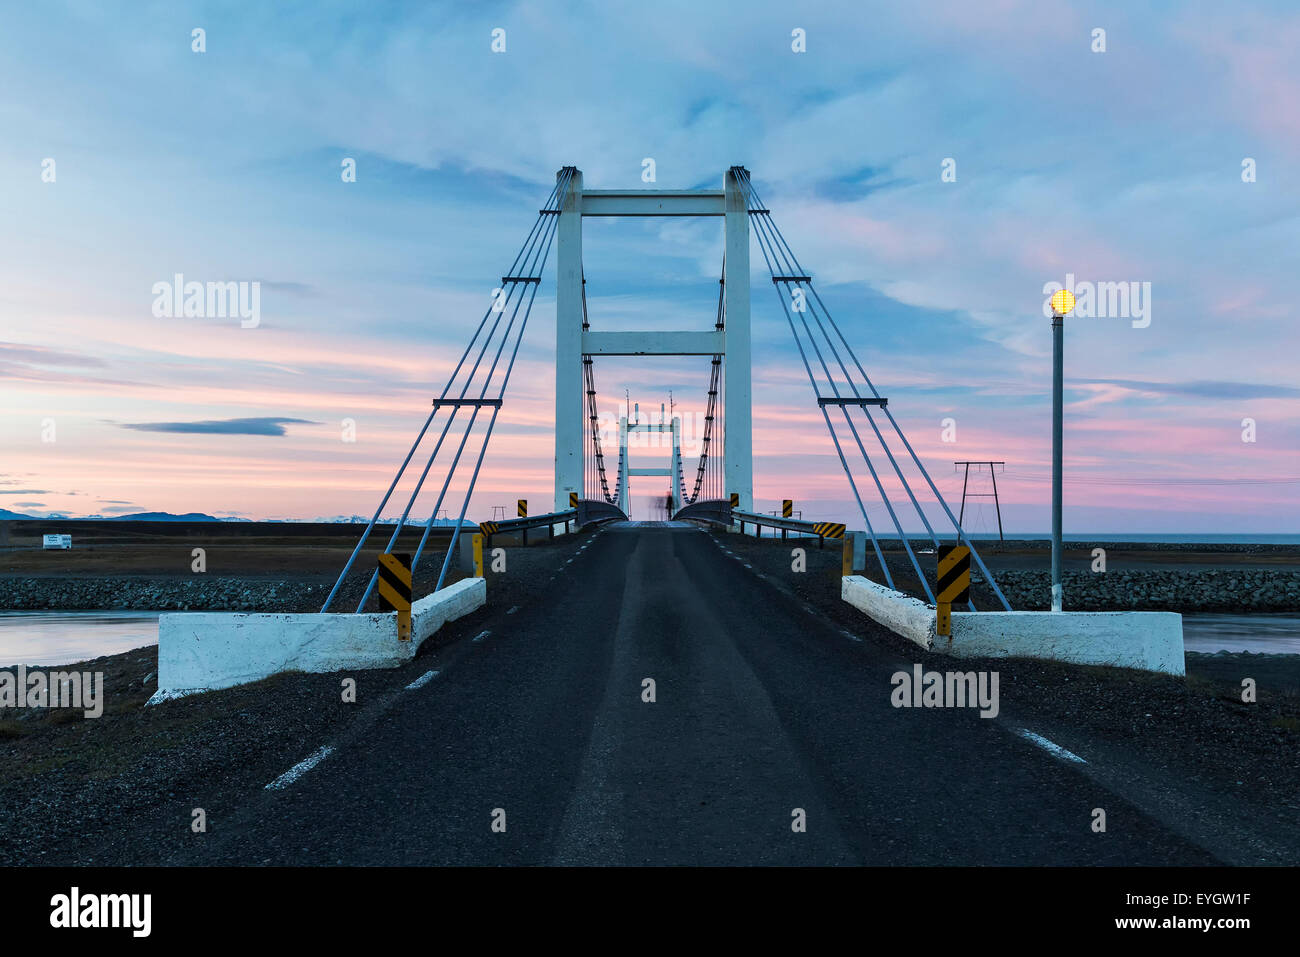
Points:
[(1062, 303)]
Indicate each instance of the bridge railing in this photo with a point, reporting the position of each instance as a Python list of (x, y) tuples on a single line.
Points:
[(587, 513), (488, 529), (822, 530)]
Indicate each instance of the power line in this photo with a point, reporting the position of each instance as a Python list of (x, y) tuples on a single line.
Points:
[(1157, 481), (966, 481)]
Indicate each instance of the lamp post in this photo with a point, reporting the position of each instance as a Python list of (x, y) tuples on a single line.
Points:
[(1062, 303)]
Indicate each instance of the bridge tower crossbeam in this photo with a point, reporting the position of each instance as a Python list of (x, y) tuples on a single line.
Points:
[(573, 343)]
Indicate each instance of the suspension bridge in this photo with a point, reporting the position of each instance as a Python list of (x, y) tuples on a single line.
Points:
[(858, 420), (651, 695)]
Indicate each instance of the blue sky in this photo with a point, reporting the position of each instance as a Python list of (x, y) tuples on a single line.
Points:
[(1115, 166)]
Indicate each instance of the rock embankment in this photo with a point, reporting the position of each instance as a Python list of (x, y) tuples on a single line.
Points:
[(1190, 590), (160, 594)]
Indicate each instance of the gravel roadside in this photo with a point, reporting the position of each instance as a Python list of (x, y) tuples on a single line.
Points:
[(1229, 753), (122, 788)]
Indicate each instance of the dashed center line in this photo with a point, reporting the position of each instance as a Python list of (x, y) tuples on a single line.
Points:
[(483, 634), (1050, 747), (513, 609), (421, 681), (301, 768)]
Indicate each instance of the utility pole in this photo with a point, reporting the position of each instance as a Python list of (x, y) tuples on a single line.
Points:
[(965, 481)]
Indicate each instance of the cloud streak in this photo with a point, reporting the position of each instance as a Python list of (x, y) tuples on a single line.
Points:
[(252, 426)]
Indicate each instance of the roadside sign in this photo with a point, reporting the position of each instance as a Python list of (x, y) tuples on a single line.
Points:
[(952, 584), (395, 589)]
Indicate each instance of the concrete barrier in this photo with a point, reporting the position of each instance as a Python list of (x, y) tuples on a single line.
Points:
[(901, 614), (203, 651), (1147, 640)]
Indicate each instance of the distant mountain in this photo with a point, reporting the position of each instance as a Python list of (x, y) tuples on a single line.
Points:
[(390, 520), (7, 515), (163, 517)]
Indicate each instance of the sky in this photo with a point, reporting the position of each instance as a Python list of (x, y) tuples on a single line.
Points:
[(935, 166)]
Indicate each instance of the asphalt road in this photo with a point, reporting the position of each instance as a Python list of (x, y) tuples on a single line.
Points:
[(761, 708)]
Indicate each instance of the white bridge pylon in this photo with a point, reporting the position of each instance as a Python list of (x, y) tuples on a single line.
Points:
[(672, 469), (573, 343)]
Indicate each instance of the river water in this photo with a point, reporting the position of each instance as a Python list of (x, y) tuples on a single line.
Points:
[(1261, 634), (62, 637)]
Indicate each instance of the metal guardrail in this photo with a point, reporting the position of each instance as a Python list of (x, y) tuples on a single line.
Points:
[(713, 511), (823, 530), (588, 512), (533, 521), (593, 511)]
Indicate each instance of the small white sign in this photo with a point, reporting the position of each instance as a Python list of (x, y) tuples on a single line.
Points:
[(57, 541)]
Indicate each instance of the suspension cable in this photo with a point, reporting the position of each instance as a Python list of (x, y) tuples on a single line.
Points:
[(532, 255), (778, 255)]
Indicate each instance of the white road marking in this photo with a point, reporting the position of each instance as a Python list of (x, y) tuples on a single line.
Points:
[(481, 635), (421, 681), (301, 768), (513, 609), (1054, 749), (852, 637)]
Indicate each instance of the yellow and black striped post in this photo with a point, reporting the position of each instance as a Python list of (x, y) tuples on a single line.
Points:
[(952, 584), (395, 589), (825, 530), (521, 509), (573, 500), (478, 555), (735, 500), (787, 511)]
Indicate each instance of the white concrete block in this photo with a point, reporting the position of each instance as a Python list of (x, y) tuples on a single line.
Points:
[(201, 651), (1148, 640), (900, 613)]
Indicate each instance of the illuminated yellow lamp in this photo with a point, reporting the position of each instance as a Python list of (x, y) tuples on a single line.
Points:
[(1062, 302)]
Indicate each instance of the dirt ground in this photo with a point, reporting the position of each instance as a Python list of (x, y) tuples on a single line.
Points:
[(75, 789)]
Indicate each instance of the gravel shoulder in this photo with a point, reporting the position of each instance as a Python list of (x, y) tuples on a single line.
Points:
[(122, 788), (1235, 762)]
